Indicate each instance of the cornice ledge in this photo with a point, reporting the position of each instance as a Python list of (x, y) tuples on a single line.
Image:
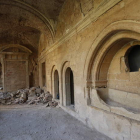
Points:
[(92, 16)]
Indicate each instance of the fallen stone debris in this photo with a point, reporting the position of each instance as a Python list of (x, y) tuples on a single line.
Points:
[(34, 95)]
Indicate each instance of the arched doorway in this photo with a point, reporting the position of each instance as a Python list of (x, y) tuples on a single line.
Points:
[(43, 74), (69, 82), (56, 85)]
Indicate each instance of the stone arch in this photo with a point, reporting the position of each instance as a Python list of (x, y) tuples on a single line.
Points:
[(66, 70), (62, 81), (54, 69), (69, 86), (15, 60), (106, 55), (110, 40), (119, 76), (15, 46), (55, 82)]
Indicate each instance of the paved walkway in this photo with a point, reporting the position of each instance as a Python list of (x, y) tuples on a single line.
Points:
[(41, 123)]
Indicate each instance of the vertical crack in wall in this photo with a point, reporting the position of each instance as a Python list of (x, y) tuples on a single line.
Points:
[(81, 9), (86, 6)]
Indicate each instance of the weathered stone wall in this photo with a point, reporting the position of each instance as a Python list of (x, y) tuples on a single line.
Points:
[(70, 15), (15, 75), (78, 35), (118, 77)]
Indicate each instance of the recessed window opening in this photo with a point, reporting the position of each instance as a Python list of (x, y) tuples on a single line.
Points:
[(134, 58), (56, 85), (69, 87), (43, 74)]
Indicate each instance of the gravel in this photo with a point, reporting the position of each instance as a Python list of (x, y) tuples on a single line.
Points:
[(24, 122)]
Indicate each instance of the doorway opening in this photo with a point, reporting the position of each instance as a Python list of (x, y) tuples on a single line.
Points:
[(56, 85), (43, 74), (69, 82)]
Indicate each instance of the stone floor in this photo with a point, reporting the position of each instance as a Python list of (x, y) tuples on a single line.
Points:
[(41, 123)]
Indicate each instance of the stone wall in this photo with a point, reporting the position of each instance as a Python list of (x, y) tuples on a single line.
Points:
[(15, 75), (82, 42), (118, 77)]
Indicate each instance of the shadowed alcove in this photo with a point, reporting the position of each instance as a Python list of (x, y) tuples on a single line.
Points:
[(56, 85), (69, 81), (134, 58)]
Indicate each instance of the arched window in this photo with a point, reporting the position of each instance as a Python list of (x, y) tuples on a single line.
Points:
[(133, 56), (56, 85), (69, 82)]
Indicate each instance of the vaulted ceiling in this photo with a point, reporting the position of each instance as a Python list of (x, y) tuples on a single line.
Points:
[(24, 21)]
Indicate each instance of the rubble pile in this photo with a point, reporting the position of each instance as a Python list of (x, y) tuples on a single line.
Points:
[(34, 95)]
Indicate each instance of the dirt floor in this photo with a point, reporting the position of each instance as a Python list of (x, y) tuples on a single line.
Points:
[(40, 123)]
